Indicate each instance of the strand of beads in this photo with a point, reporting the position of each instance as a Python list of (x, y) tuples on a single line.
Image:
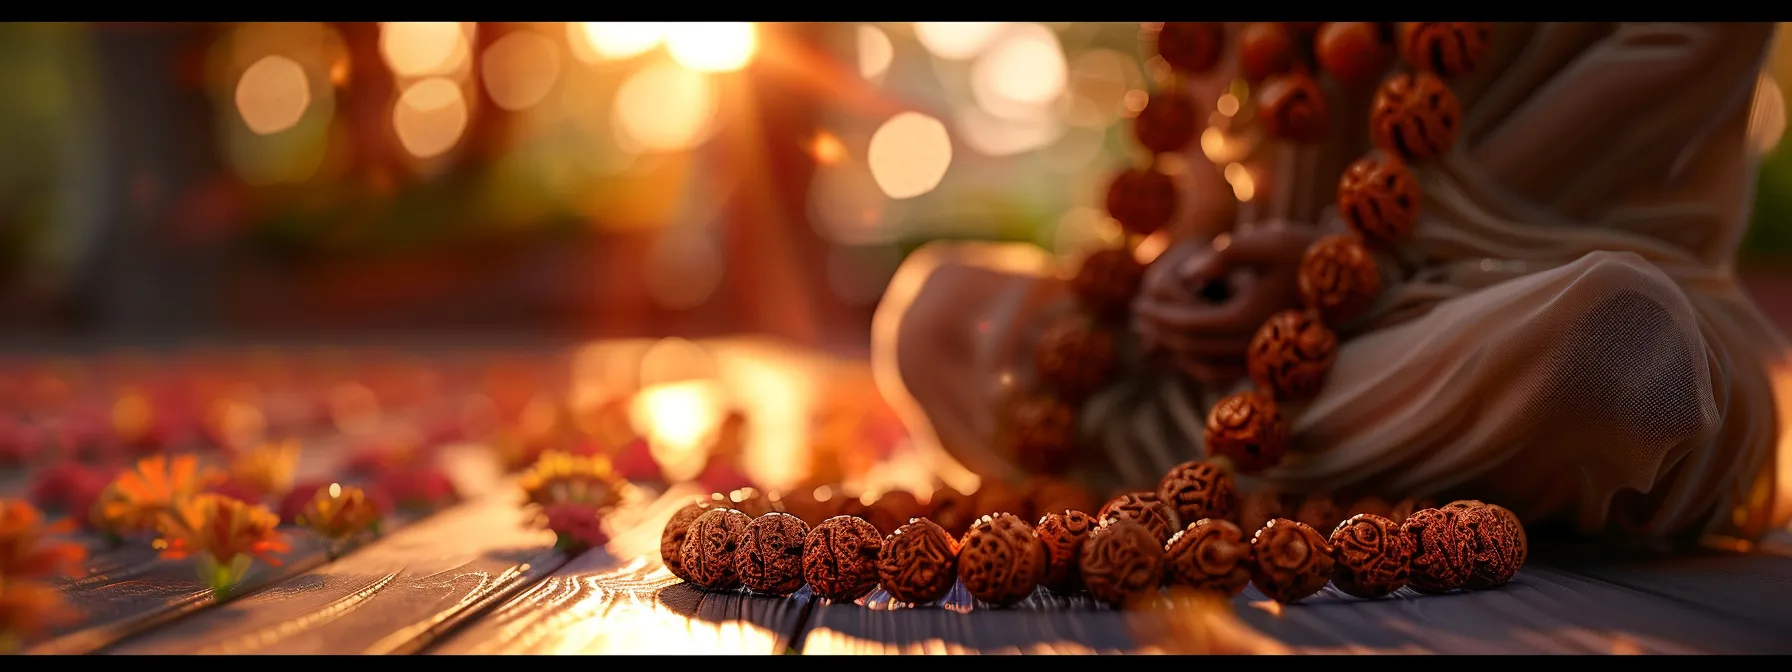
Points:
[(1414, 117)]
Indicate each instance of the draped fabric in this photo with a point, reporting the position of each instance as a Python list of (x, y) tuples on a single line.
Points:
[(1563, 334)]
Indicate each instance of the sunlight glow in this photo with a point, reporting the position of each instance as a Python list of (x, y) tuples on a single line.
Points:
[(422, 48), (666, 108), (520, 69), (875, 52), (617, 40), (430, 117), (909, 155), (272, 95), (676, 419), (713, 47), (956, 40)]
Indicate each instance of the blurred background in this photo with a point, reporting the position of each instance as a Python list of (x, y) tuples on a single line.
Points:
[(284, 180)]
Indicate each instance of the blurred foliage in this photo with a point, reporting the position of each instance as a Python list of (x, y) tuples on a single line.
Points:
[(40, 64), (1770, 231)]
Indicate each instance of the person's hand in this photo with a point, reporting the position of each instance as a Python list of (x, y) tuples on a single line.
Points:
[(1203, 301)]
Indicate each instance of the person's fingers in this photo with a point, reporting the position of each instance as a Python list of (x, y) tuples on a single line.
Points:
[(1231, 316), (1268, 242)]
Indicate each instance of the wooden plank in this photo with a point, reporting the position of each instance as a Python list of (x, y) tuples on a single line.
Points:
[(621, 599), (1751, 590), (1043, 623), (393, 596)]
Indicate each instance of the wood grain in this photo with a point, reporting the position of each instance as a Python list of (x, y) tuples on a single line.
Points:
[(1753, 591), (621, 599), (393, 596)]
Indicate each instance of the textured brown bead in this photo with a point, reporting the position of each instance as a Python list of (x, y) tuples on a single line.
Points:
[(1378, 196), (919, 563), (1044, 433), (1400, 510), (1415, 115), (1373, 556), (1289, 561), (1142, 199), (1191, 47), (1167, 124), (1356, 54), (1338, 278), (1248, 429), (1291, 354), (951, 510), (1057, 495), (1073, 357), (840, 558), (1198, 489), (1443, 550), (1259, 507), (1000, 560), (678, 529), (892, 510), (1449, 49), (1266, 49), (770, 559), (708, 554), (1107, 281), (1291, 107), (1144, 508), (1210, 555), (1120, 560), (1319, 512), (1499, 542), (1063, 534)]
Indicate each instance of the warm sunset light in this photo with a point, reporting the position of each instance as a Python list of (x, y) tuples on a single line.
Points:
[(712, 47), (956, 40), (875, 52), (909, 154), (608, 40), (272, 95), (666, 108), (520, 69), (422, 48), (430, 117)]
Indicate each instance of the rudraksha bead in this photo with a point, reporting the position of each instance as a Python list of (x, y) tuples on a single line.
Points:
[(1044, 433), (1191, 47), (1000, 560), (1355, 53), (1499, 542), (770, 559), (678, 529), (1291, 354), (1319, 511), (1289, 561), (1373, 556), (952, 510), (1443, 550), (919, 562), (708, 553), (1291, 107), (1259, 507), (1142, 199), (1415, 115), (1167, 124), (1107, 281), (1057, 495), (840, 558), (1378, 196), (1120, 560), (1449, 49), (1266, 49), (1198, 489), (1338, 278), (1074, 357), (1144, 508), (1210, 555), (1404, 508), (1063, 533), (1248, 429)]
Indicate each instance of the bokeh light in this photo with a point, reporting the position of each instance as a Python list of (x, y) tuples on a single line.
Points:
[(876, 53), (273, 94), (909, 155), (430, 117), (712, 47), (847, 206), (520, 69), (665, 108), (423, 48), (1084, 230), (684, 268), (616, 40), (996, 137), (1244, 187), (1767, 118), (1023, 71), (827, 149), (956, 40)]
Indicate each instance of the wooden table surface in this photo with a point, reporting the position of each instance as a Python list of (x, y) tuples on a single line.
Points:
[(475, 579)]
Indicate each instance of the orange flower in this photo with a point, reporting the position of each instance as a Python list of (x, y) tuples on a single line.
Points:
[(26, 552), (338, 511), (137, 498), (28, 609), (221, 528), (267, 470), (563, 478)]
